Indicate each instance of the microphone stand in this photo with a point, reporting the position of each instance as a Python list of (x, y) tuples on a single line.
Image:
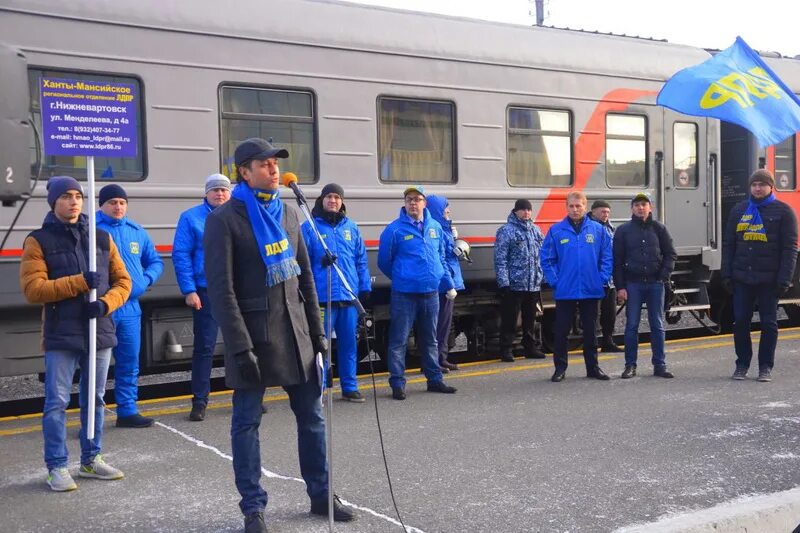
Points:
[(331, 265)]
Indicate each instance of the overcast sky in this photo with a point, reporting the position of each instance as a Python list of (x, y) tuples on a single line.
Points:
[(768, 25)]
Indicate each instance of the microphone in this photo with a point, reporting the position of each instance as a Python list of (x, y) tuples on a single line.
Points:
[(290, 180)]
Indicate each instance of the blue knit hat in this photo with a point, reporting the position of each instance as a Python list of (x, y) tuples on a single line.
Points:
[(58, 185), (112, 190)]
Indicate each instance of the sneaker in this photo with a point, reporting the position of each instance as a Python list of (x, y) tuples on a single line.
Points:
[(134, 421), (341, 513), (662, 372), (439, 386), (99, 469), (629, 372), (765, 375), (254, 523), (60, 480), (353, 396), (740, 373), (198, 413)]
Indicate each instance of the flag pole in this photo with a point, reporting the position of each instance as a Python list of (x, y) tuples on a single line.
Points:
[(92, 370)]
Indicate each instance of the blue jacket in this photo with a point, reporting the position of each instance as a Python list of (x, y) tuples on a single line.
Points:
[(436, 206), (139, 255), (345, 242), (517, 248), (577, 265), (187, 248), (414, 260)]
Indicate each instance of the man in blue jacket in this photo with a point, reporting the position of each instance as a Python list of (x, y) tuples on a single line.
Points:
[(439, 208), (344, 240), (643, 261), (411, 255), (577, 263), (187, 258), (518, 271), (144, 267)]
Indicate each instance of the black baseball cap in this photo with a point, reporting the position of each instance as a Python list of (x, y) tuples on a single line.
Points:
[(255, 148)]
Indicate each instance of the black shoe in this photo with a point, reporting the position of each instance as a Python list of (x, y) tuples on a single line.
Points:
[(535, 353), (444, 369), (439, 386), (662, 372), (353, 396), (448, 365), (609, 346), (263, 408), (198, 413), (597, 373), (134, 421), (507, 357), (341, 513), (398, 393), (558, 376), (254, 523), (629, 372)]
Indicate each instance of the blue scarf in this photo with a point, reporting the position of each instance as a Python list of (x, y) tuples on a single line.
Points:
[(265, 211), (751, 223)]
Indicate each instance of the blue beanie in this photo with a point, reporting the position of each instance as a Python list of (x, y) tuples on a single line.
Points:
[(58, 185), (112, 190)]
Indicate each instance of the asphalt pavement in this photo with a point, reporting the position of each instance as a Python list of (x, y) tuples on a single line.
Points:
[(511, 451)]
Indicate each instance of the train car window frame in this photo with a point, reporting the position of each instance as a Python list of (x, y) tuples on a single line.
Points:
[(543, 134), (645, 138), (693, 177), (103, 166), (309, 173), (789, 147), (421, 177)]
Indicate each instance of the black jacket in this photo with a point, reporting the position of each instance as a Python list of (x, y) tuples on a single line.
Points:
[(643, 252), (758, 262)]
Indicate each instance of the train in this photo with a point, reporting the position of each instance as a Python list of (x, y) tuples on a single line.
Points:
[(376, 99)]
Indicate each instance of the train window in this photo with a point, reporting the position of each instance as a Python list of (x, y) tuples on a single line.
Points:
[(416, 140), (626, 150), (285, 116), (539, 144), (106, 168), (785, 157), (684, 161)]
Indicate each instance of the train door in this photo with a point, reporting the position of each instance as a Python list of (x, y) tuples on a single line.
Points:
[(688, 197)]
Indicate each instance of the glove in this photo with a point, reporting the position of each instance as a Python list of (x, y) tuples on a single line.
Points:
[(320, 344), (727, 284), (781, 290), (451, 294), (96, 309), (363, 297), (91, 279), (328, 260), (247, 363)]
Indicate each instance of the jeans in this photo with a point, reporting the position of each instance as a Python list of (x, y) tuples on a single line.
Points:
[(565, 312), (205, 339), (443, 325), (420, 310), (126, 364), (345, 320), (651, 294), (305, 400), (509, 311), (744, 299), (60, 367)]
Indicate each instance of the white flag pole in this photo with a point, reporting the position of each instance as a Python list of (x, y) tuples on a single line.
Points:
[(92, 297)]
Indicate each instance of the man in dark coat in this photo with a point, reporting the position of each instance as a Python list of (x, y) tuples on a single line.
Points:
[(759, 251), (263, 297)]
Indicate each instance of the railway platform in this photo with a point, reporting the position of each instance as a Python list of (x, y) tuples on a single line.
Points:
[(511, 451)]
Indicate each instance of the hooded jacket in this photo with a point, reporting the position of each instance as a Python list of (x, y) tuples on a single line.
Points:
[(414, 260), (517, 250), (142, 262), (187, 248), (436, 206)]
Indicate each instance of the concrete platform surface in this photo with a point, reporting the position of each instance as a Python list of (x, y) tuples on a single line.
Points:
[(511, 451)]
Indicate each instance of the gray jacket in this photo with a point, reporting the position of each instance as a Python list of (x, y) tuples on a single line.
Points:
[(275, 322)]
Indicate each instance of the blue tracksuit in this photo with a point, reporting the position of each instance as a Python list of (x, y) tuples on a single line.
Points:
[(344, 241), (577, 265), (144, 267), (436, 206), (187, 248)]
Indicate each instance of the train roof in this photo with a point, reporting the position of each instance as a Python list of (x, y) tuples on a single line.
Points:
[(352, 26), (787, 69)]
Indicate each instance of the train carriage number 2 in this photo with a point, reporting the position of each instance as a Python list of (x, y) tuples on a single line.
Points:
[(9, 175)]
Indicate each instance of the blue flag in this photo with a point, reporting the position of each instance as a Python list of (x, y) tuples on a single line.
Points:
[(736, 86)]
